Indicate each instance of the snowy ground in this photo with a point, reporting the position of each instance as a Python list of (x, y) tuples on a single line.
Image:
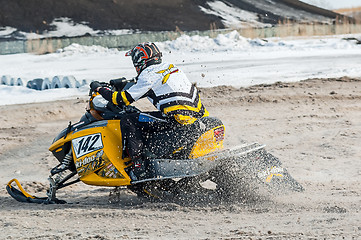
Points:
[(333, 4), (312, 126), (226, 60)]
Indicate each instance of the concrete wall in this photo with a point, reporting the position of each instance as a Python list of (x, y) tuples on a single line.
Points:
[(123, 42)]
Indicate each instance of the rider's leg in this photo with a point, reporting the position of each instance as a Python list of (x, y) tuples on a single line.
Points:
[(132, 135), (133, 127)]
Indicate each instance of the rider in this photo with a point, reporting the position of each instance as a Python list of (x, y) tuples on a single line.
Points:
[(167, 88)]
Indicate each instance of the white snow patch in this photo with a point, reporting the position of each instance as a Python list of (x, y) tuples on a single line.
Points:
[(19, 95), (81, 49), (5, 31), (63, 27), (66, 27), (121, 32), (232, 16)]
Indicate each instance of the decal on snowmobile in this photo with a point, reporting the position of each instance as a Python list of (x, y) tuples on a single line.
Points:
[(268, 174), (110, 171), (82, 162), (219, 134), (87, 144), (90, 163)]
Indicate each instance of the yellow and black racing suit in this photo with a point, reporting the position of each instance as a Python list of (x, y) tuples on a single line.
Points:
[(170, 91)]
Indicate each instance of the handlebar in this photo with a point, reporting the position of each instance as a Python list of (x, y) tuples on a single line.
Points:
[(118, 84), (121, 83), (103, 84)]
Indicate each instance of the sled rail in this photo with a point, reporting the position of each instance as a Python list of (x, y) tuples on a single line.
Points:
[(180, 168)]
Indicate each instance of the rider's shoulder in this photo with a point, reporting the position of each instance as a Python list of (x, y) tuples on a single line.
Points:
[(155, 70), (159, 67)]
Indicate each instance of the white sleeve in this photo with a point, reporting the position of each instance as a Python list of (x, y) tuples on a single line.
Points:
[(145, 82)]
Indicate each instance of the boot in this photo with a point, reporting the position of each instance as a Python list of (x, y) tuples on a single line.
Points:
[(147, 155), (141, 169)]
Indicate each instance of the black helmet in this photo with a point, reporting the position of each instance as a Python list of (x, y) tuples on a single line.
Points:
[(144, 55)]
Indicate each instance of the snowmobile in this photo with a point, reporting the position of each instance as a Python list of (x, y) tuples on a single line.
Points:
[(94, 153)]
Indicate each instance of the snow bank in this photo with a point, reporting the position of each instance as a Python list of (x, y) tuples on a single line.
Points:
[(228, 59), (233, 41)]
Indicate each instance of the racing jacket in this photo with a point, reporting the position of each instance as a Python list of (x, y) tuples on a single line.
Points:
[(168, 89)]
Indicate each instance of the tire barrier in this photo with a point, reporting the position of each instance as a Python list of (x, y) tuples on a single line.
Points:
[(12, 82), (19, 82), (5, 80), (44, 83), (16, 82), (56, 82), (39, 84), (70, 82)]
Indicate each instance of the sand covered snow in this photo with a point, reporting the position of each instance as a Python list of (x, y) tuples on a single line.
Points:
[(313, 126)]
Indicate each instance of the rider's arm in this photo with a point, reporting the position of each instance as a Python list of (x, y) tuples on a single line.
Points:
[(118, 98), (144, 84)]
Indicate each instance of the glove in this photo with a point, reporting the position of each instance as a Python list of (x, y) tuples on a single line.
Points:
[(94, 85)]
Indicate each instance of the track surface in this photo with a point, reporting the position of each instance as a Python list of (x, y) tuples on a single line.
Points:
[(313, 127)]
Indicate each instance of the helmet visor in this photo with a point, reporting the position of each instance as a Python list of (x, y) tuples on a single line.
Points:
[(129, 53)]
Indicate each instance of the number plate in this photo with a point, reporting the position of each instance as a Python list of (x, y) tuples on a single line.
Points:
[(87, 144)]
